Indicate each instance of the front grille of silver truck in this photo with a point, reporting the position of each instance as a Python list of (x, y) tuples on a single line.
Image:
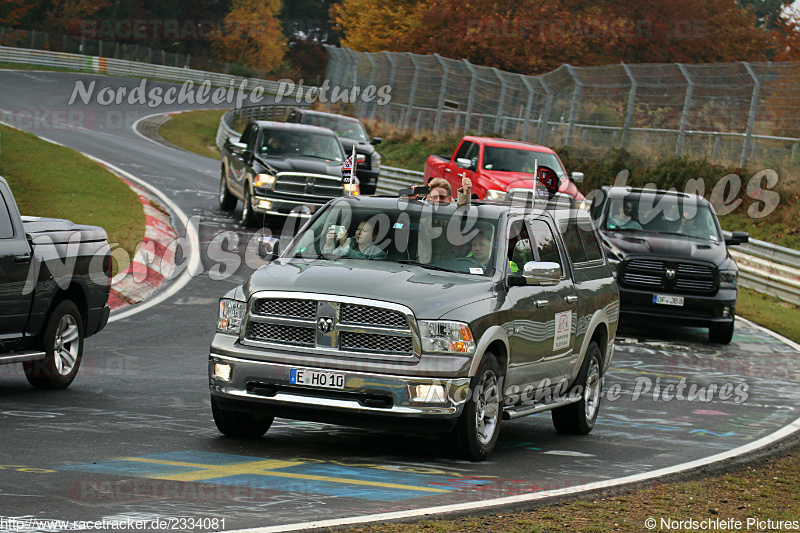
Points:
[(312, 185), (327, 324)]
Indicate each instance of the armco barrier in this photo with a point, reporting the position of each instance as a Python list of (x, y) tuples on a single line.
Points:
[(121, 67), (763, 267)]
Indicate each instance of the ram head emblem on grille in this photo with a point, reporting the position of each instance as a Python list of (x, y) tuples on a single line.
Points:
[(325, 324), (670, 273)]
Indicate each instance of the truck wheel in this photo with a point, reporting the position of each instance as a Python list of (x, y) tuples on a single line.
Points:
[(579, 418), (238, 424), (721, 334), (475, 434), (62, 341), (227, 201), (248, 217)]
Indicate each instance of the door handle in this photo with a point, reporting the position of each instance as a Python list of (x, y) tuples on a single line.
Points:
[(447, 170), (22, 258), (571, 299), (542, 303)]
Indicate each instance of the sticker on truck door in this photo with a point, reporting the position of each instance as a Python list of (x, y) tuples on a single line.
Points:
[(563, 330)]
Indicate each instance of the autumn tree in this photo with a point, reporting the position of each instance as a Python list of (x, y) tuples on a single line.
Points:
[(67, 16), (370, 26), (251, 35), (12, 12)]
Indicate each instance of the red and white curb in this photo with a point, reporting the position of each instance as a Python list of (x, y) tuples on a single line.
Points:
[(154, 259)]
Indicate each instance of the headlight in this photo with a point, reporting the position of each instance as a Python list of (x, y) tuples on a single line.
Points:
[(231, 316), (727, 279), (376, 161), (493, 194), (352, 189), (264, 181), (446, 337), (585, 204)]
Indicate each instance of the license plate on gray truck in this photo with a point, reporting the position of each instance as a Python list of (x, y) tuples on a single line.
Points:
[(316, 378)]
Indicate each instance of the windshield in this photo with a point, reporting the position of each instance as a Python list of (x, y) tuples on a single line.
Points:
[(515, 160), (668, 214), (278, 143), (453, 240), (343, 127)]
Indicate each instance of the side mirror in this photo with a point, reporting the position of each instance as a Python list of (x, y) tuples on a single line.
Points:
[(376, 141), (541, 273), (463, 162), (361, 158), (268, 248), (737, 237), (238, 148), (577, 177)]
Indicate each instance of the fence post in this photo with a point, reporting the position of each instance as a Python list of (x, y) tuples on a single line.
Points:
[(548, 105), (471, 101), (440, 106), (33, 39), (687, 103), (573, 108), (528, 106), (393, 71), (354, 61), (370, 82), (626, 128), (501, 103), (751, 118), (413, 92)]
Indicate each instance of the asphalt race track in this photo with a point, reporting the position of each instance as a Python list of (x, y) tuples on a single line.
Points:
[(133, 437)]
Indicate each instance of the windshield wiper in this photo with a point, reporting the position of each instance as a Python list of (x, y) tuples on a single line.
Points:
[(685, 235), (316, 157), (423, 265)]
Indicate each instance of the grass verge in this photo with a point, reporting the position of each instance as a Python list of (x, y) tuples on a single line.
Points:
[(54, 181), (195, 131)]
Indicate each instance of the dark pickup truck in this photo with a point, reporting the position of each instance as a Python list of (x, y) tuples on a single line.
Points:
[(54, 284), (276, 168)]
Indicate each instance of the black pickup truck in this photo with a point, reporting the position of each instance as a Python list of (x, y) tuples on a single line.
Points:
[(54, 284), (276, 168)]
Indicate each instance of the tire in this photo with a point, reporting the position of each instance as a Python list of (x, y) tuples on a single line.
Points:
[(62, 341), (579, 418), (476, 431), (238, 424), (248, 217), (721, 334), (227, 201)]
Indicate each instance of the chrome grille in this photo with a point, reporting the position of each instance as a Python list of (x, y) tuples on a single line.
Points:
[(365, 342), (644, 264), (372, 316), (286, 307), (316, 185), (639, 279), (299, 336), (695, 285)]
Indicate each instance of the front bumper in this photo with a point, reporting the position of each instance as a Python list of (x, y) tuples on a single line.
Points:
[(366, 398), (699, 311)]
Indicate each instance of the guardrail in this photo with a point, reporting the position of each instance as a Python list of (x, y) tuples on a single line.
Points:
[(121, 67), (763, 267)]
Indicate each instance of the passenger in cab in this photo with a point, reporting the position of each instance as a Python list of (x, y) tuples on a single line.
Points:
[(360, 246)]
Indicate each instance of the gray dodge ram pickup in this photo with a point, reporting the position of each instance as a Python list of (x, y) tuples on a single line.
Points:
[(54, 284), (432, 317)]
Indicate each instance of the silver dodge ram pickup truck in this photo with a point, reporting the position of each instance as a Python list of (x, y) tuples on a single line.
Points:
[(432, 317)]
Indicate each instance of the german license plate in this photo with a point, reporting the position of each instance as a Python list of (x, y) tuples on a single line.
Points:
[(668, 300), (316, 378)]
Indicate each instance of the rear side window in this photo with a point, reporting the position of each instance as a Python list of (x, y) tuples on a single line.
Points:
[(6, 228), (546, 244), (464, 151), (574, 244), (519, 246), (590, 244)]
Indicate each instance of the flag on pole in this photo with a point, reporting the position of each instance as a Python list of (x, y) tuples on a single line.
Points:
[(349, 178)]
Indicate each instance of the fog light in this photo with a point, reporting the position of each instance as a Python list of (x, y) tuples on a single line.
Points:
[(222, 371), (264, 204), (429, 394), (726, 312)]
